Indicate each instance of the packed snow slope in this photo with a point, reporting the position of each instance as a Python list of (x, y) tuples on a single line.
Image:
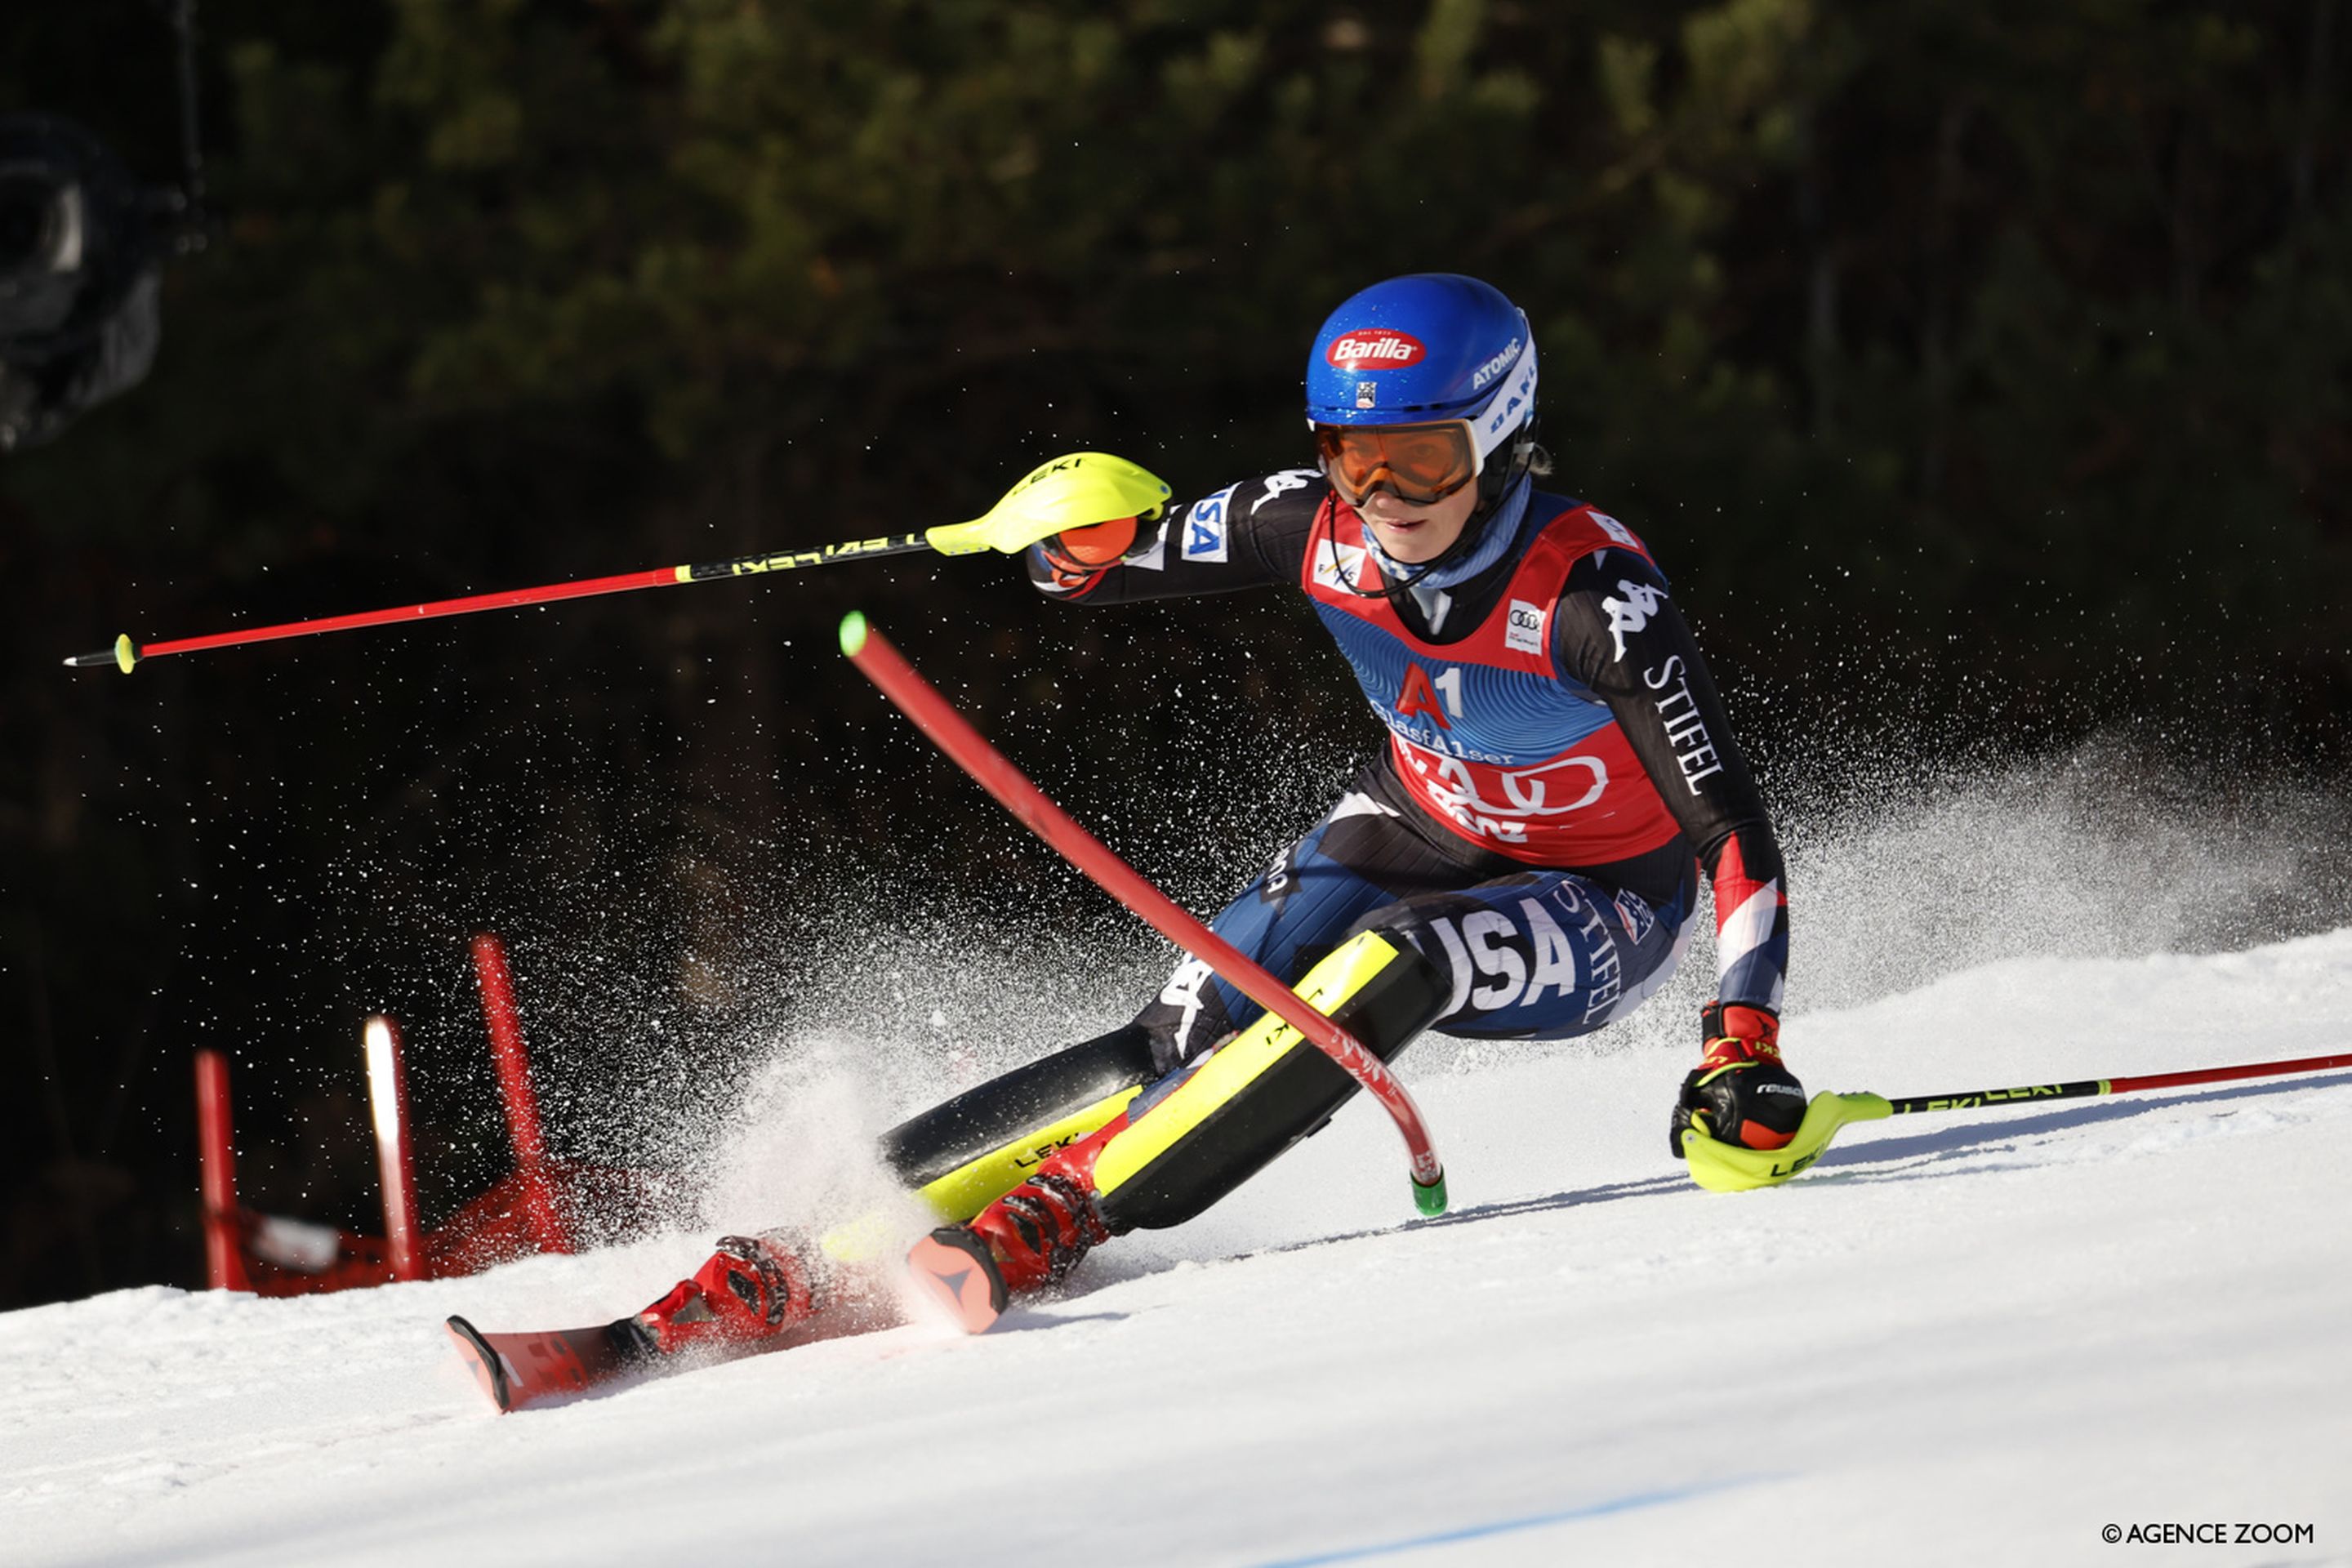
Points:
[(1981, 1337)]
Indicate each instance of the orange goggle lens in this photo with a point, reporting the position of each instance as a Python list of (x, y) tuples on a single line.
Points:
[(1420, 463)]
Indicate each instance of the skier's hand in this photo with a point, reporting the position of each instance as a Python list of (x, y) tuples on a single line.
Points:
[(1739, 1093), (1078, 554)]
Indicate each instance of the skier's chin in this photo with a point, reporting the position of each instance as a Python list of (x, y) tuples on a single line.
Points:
[(1410, 534), (1411, 539)]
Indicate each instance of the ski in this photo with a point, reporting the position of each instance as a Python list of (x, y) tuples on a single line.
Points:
[(515, 1370)]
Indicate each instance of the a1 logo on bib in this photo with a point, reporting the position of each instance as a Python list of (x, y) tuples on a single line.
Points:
[(1523, 627)]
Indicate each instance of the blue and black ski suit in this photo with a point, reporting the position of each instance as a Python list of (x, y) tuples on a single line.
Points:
[(1559, 769)]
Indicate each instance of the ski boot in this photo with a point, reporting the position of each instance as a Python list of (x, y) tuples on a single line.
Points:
[(1029, 1239), (753, 1288)]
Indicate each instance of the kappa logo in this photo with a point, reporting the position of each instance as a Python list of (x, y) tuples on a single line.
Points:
[(1523, 627), (1280, 484), (1185, 992), (1375, 349), (1204, 527), (1632, 612)]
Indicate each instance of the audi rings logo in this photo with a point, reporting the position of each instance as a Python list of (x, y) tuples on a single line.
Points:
[(1376, 349), (1523, 631)]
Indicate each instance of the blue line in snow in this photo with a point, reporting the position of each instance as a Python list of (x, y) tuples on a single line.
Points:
[(1626, 1504)]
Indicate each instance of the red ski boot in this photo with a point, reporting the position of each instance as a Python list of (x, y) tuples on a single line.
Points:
[(1025, 1240), (754, 1287)]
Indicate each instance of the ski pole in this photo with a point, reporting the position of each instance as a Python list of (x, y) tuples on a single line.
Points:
[(1729, 1168), (2091, 1088), (1072, 491), (921, 702)]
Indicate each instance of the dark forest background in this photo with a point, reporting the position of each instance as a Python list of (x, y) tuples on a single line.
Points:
[(1981, 372)]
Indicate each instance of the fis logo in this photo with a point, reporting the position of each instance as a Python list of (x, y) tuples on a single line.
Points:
[(1616, 530), (1375, 349), (1204, 527), (1339, 567)]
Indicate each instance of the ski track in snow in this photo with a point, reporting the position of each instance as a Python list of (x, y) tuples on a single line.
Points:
[(1969, 1338)]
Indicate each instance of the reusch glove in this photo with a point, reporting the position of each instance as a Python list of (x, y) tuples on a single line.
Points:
[(1078, 554), (1739, 1093)]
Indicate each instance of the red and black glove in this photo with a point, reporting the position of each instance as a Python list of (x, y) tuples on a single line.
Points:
[(1739, 1093), (1077, 555)]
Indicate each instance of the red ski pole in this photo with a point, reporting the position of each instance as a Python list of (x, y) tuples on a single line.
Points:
[(1064, 492), (915, 697), (2091, 1088)]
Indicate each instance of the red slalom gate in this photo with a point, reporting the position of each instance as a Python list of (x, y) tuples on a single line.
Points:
[(223, 1255), (915, 697), (395, 1154), (512, 1064), (539, 1207)]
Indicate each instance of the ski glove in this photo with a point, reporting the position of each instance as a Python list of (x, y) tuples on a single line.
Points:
[(1076, 555), (1739, 1093)]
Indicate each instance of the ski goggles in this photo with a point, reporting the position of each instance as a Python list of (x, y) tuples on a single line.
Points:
[(1418, 464)]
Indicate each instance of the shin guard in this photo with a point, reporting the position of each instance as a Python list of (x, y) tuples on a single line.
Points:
[(1264, 1089), (963, 1155)]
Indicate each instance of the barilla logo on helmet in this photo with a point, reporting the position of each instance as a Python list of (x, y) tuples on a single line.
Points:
[(1375, 348)]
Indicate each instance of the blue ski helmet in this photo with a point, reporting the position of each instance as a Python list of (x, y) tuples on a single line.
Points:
[(1433, 346)]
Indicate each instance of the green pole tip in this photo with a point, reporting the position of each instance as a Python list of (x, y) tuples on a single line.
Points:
[(853, 633), (1429, 1200)]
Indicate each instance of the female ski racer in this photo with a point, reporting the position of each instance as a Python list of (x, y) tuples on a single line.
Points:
[(1520, 861)]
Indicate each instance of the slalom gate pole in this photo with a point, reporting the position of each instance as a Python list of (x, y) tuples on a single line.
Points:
[(2093, 1088), (217, 1152), (511, 1059), (395, 1155), (1080, 490), (921, 702)]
